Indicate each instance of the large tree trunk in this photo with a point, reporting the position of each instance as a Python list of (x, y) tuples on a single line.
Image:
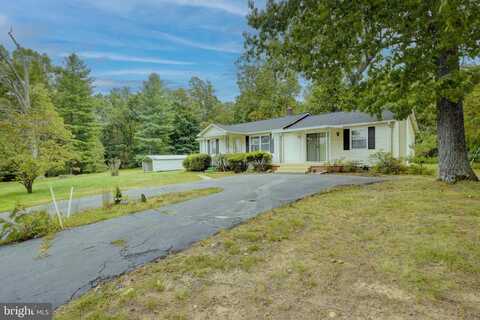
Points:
[(452, 149)]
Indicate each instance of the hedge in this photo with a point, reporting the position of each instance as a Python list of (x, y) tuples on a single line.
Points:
[(197, 162)]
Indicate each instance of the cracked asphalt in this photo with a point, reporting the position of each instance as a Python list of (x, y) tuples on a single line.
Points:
[(78, 259)]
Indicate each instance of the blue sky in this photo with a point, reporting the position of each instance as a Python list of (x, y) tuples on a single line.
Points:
[(122, 41)]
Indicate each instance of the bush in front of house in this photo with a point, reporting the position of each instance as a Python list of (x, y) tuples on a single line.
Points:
[(385, 163), (220, 161), (197, 162), (237, 162), (261, 161)]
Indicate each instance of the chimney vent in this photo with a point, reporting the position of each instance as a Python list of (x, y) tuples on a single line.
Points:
[(289, 111)]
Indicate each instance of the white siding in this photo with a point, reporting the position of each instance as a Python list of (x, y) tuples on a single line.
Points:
[(382, 143), (293, 147), (163, 163), (276, 158)]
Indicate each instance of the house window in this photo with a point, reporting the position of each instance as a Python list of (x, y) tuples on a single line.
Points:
[(260, 143), (236, 145), (359, 138), (255, 144), (213, 146)]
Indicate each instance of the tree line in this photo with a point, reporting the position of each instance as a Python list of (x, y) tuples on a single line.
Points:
[(52, 122)]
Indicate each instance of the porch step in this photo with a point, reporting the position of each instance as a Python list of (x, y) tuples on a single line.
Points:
[(293, 168)]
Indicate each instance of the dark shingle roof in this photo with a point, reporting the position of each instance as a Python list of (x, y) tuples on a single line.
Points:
[(263, 125), (306, 120), (339, 118)]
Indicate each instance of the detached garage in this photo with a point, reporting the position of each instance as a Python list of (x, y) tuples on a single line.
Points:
[(163, 163)]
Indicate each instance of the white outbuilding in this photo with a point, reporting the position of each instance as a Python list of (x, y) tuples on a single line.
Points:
[(163, 163)]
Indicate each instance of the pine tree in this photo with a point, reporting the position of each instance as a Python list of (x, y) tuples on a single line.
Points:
[(155, 117), (185, 130), (75, 104)]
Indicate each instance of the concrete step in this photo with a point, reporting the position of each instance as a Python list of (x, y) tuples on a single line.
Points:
[(293, 168)]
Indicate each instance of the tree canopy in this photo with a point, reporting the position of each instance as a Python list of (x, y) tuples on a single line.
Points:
[(396, 55)]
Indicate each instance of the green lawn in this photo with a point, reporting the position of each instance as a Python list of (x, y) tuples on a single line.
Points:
[(408, 248), (87, 184)]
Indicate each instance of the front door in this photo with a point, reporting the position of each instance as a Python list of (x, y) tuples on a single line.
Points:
[(317, 147)]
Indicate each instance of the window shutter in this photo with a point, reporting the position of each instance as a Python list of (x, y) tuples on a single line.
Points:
[(247, 143), (208, 146), (371, 137), (271, 144), (217, 143), (346, 139)]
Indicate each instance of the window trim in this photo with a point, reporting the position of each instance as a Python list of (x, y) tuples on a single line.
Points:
[(364, 135), (259, 145)]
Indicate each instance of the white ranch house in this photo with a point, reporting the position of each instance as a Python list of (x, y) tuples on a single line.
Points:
[(306, 139)]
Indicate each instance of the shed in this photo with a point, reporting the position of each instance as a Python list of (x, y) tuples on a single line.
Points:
[(163, 163)]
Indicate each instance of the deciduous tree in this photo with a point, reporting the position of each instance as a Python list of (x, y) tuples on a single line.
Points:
[(394, 54)]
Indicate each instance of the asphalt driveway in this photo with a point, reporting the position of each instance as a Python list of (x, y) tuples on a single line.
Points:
[(80, 258)]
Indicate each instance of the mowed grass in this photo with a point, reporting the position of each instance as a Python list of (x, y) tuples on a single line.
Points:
[(12, 193), (408, 248)]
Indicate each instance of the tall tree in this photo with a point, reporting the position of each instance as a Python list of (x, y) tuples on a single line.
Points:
[(75, 104), (325, 98), (394, 54), (120, 122), (32, 136), (264, 93), (155, 116), (206, 105), (185, 126)]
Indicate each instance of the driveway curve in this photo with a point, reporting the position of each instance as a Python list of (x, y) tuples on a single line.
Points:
[(78, 259)]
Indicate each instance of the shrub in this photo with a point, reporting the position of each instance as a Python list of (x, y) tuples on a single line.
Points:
[(385, 163), (221, 162), (117, 196), (352, 166), (23, 226), (419, 169), (261, 161), (197, 162), (237, 162)]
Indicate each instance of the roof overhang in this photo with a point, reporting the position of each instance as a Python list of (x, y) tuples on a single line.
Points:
[(339, 126)]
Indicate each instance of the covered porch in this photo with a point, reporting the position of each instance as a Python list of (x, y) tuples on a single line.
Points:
[(233, 142)]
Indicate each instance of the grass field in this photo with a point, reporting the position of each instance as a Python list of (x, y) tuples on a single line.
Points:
[(87, 184), (408, 248)]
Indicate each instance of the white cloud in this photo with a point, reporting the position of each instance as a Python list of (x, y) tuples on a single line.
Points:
[(142, 72), (232, 7), (235, 7), (165, 74), (118, 57), (229, 47)]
